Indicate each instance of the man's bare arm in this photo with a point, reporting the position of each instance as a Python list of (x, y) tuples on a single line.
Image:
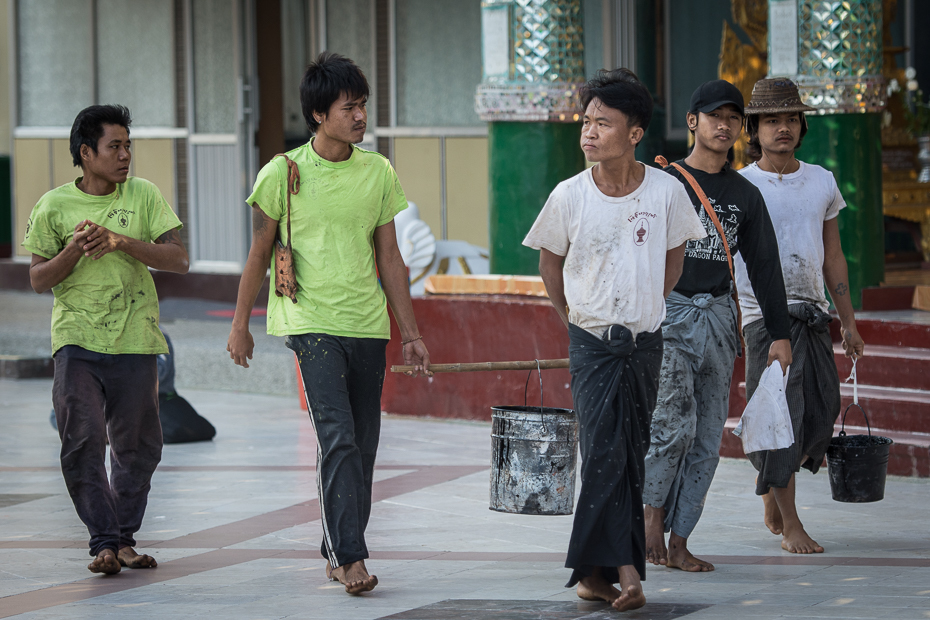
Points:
[(836, 277), (166, 254), (47, 273), (393, 274), (550, 268), (674, 264), (240, 343)]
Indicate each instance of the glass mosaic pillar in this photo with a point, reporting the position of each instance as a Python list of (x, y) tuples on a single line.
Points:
[(533, 68), (833, 50)]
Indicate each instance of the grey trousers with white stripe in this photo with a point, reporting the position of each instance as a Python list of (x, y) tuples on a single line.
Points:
[(813, 395), (701, 342), (342, 380)]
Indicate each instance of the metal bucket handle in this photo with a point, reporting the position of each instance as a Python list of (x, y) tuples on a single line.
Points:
[(843, 427), (527, 386)]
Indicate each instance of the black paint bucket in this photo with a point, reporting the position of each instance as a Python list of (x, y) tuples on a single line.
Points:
[(858, 464), (533, 457)]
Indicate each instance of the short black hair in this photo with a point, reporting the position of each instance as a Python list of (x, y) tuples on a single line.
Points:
[(325, 80), (754, 149), (88, 126), (621, 90)]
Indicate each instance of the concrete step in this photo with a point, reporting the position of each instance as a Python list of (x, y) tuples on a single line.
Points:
[(893, 409), (909, 455), (887, 333), (26, 367), (898, 366)]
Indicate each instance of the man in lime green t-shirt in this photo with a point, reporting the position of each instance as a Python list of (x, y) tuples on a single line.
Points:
[(342, 232), (92, 242)]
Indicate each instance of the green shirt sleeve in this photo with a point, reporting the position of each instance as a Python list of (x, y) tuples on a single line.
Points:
[(393, 200), (161, 217), (268, 190), (41, 237)]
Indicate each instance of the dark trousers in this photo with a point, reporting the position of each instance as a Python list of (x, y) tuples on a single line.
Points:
[(96, 396), (813, 394), (342, 380), (615, 382)]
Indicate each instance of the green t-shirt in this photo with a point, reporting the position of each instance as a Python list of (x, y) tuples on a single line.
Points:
[(333, 220), (107, 305)]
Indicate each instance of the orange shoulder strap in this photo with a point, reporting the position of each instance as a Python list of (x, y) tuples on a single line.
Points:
[(723, 237), (293, 186), (707, 207)]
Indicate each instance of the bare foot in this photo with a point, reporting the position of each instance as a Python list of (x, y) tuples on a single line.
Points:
[(772, 518), (656, 552), (354, 576), (128, 557), (631, 598), (596, 588), (105, 563), (795, 538), (679, 556), (797, 541)]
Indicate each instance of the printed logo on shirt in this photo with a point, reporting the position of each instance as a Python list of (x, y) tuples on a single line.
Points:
[(28, 227), (122, 216), (642, 232), (710, 248)]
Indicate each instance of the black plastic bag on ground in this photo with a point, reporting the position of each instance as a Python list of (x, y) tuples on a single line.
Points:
[(180, 423)]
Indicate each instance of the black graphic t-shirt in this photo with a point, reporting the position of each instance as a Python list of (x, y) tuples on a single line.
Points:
[(746, 223)]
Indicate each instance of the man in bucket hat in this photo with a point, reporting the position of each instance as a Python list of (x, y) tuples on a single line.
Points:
[(700, 329), (804, 202)]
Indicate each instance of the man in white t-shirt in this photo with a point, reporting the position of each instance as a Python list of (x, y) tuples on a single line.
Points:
[(803, 201), (611, 243)]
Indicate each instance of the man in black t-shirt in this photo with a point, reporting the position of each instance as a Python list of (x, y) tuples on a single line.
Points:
[(700, 329)]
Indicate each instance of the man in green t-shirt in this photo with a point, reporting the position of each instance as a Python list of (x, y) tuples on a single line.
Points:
[(92, 242), (342, 233)]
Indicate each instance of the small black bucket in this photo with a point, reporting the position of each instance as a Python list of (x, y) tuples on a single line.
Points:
[(858, 464)]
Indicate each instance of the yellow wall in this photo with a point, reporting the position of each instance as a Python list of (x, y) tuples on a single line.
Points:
[(41, 164), (417, 161), (63, 168), (31, 179), (153, 160), (467, 189)]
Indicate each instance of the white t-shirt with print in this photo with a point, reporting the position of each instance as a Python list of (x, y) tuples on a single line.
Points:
[(614, 248), (798, 204)]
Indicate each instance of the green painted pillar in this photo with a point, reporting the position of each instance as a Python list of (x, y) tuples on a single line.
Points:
[(833, 50), (533, 68), (849, 145), (526, 161)]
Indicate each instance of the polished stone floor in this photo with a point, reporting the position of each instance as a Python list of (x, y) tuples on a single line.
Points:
[(234, 524)]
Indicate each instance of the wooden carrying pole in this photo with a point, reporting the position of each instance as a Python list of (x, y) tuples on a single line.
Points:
[(528, 365)]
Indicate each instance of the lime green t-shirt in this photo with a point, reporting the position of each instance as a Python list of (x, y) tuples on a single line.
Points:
[(333, 220), (107, 305)]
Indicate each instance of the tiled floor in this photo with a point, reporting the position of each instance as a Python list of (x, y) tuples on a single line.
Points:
[(234, 524), (465, 609)]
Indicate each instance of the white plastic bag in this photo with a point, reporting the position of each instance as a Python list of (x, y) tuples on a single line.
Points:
[(766, 422)]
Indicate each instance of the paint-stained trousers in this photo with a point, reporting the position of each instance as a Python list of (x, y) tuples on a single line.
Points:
[(614, 385), (701, 343), (97, 395), (342, 380)]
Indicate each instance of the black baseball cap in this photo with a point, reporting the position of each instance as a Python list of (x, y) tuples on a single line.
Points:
[(711, 95)]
